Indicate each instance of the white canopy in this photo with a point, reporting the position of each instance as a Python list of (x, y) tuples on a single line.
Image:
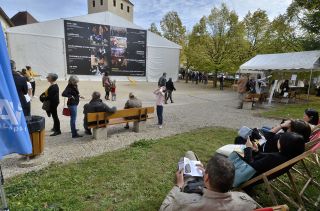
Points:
[(290, 62), (42, 46)]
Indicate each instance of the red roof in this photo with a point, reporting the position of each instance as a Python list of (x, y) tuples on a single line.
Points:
[(23, 18)]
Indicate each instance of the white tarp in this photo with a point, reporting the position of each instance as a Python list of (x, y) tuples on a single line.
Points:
[(41, 45), (292, 62)]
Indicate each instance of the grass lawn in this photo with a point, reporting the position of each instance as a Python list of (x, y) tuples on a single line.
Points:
[(294, 111), (136, 178)]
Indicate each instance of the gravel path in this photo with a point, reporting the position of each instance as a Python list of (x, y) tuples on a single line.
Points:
[(194, 107)]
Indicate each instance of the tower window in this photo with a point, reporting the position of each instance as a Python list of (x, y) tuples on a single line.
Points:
[(121, 6), (114, 3), (93, 3), (101, 2), (128, 9)]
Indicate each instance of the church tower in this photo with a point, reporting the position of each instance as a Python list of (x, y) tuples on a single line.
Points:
[(122, 8)]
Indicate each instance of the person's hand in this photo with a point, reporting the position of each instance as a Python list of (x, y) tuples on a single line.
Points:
[(249, 143), (255, 147), (179, 178), (286, 124)]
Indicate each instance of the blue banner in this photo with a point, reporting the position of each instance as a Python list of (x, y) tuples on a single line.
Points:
[(14, 135)]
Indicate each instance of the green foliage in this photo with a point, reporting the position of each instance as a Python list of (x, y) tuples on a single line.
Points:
[(153, 28), (172, 27)]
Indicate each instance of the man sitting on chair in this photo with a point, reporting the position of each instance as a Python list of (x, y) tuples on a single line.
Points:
[(133, 102), (218, 180), (95, 105)]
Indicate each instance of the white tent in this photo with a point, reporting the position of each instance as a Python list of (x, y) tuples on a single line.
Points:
[(42, 46), (306, 61), (287, 62)]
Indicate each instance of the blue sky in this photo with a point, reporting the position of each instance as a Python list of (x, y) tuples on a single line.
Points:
[(146, 11)]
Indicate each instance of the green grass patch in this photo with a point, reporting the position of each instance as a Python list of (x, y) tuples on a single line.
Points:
[(136, 178), (292, 111)]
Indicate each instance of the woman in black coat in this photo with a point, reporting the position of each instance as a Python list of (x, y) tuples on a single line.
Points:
[(73, 95), (290, 145), (52, 96)]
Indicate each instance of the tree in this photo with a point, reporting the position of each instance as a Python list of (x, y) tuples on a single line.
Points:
[(256, 26), (305, 15), (153, 28), (172, 27)]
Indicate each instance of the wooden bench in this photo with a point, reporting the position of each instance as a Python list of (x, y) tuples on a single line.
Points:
[(100, 120)]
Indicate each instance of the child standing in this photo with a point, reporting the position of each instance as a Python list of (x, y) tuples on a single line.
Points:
[(113, 91), (160, 97)]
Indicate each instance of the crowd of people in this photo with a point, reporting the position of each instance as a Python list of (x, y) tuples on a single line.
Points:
[(50, 98), (194, 76), (264, 149)]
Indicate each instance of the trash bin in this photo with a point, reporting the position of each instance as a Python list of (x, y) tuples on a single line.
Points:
[(36, 127)]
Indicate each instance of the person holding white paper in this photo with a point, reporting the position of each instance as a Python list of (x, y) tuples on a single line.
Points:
[(218, 179)]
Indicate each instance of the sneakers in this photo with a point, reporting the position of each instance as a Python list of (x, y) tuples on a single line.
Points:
[(88, 132), (126, 127), (160, 126)]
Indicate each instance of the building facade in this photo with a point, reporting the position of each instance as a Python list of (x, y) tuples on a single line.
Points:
[(122, 8), (5, 22)]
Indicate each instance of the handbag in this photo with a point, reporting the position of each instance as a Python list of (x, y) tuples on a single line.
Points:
[(46, 105), (66, 111), (243, 171)]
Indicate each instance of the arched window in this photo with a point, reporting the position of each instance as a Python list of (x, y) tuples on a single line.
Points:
[(114, 3), (128, 9), (93, 3), (121, 6)]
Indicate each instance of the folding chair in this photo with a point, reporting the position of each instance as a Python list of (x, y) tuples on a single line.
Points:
[(299, 197), (276, 208)]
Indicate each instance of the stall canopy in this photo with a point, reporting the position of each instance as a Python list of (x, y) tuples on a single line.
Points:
[(287, 62)]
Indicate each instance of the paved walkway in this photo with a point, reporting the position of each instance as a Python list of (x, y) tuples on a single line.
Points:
[(194, 107)]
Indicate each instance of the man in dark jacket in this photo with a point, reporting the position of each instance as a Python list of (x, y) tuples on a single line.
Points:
[(95, 105), (170, 88), (21, 86), (163, 80)]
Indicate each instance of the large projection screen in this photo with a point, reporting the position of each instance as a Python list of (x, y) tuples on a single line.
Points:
[(93, 49)]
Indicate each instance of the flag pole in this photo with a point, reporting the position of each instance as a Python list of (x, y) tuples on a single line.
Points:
[(2, 193)]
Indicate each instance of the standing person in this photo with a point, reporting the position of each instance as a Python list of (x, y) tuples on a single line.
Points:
[(133, 102), (160, 96), (28, 97), (162, 80), (113, 91), (73, 95), (170, 88), (284, 87), (52, 95), (21, 86), (31, 75), (106, 83), (242, 89), (221, 80)]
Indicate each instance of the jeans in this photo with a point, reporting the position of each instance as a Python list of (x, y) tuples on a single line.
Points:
[(169, 95), (73, 118), (33, 85), (160, 114)]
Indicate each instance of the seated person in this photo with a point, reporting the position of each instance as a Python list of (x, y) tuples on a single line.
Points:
[(289, 146), (311, 116), (95, 105), (218, 179), (133, 102), (298, 126), (272, 135)]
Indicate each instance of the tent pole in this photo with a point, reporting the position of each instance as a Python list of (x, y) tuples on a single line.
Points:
[(309, 84)]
